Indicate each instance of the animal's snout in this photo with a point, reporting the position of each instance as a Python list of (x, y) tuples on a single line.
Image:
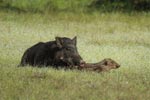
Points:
[(118, 66)]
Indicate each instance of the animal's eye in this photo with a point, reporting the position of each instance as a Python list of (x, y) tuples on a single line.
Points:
[(105, 63), (68, 49)]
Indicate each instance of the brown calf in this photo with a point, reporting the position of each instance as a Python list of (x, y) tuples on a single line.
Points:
[(104, 65)]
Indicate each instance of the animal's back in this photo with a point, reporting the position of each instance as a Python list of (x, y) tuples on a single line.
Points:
[(29, 55)]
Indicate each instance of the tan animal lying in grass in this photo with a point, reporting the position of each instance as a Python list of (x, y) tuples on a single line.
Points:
[(104, 65)]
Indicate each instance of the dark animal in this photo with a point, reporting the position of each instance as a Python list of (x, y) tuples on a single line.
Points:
[(61, 52), (104, 65)]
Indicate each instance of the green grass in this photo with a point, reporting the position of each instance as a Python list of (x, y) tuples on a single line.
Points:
[(122, 37)]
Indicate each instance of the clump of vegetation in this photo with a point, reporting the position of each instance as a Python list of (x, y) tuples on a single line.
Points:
[(46, 5), (75, 5), (121, 5)]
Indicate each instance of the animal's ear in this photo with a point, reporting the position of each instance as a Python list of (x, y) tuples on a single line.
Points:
[(58, 42), (74, 40)]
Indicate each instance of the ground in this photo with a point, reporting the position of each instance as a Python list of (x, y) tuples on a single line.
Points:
[(122, 37)]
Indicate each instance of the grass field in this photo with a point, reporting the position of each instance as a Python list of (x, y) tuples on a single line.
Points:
[(122, 37)]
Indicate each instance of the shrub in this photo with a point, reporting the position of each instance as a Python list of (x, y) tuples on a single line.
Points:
[(125, 5)]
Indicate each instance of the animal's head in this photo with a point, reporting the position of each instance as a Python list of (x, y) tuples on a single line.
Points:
[(110, 63), (68, 52)]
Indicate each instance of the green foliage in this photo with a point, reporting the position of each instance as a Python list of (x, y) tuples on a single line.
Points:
[(75, 5), (71, 4), (27, 5), (122, 5), (42, 5)]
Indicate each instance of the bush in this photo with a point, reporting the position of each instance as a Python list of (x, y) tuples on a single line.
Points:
[(125, 5)]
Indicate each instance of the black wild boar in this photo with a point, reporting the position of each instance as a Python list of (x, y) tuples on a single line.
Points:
[(61, 52)]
